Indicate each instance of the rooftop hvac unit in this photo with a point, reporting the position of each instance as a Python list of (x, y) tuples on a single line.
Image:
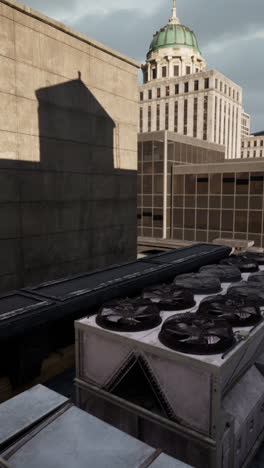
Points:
[(173, 383), (40, 428)]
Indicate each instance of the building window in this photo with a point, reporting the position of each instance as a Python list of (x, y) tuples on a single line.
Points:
[(185, 117), (141, 120), (236, 129), (220, 121), (176, 89), (234, 94), (150, 94), (216, 83), (166, 116), (260, 153), (167, 90), (249, 144), (229, 92), (205, 117), (154, 73), (164, 72), (261, 142), (197, 70), (149, 118), (176, 70), (255, 143), (242, 144), (254, 154), (215, 119), (158, 118), (224, 135), (225, 89), (228, 128), (195, 114), (176, 109), (186, 87), (188, 70), (221, 86), (248, 153), (196, 85), (158, 92), (206, 83), (141, 96), (238, 97)]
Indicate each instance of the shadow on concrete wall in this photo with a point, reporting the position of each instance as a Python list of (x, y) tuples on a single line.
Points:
[(72, 210)]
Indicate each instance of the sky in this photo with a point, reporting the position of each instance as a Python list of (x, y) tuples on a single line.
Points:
[(230, 34)]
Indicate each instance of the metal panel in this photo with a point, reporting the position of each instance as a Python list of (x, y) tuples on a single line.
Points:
[(18, 309), (176, 440), (187, 389), (78, 285), (209, 253), (17, 302), (25, 410), (260, 363), (76, 439), (243, 402)]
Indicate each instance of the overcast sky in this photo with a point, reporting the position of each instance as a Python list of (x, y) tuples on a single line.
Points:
[(230, 34)]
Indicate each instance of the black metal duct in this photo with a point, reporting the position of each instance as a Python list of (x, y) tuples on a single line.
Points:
[(39, 320)]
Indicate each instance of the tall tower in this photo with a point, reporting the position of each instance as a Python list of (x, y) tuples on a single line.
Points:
[(173, 52), (180, 95)]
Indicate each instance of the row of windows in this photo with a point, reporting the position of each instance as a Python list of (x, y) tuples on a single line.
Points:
[(255, 143), (223, 88), (216, 220), (176, 117), (214, 202), (184, 87), (225, 202), (167, 89), (218, 184), (255, 154), (176, 71), (245, 122), (227, 220), (226, 119)]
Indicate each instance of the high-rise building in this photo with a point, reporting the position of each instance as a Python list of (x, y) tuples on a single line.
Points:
[(192, 184), (180, 95), (245, 124)]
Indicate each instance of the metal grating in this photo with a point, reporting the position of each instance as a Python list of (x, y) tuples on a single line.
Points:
[(84, 283), (17, 301), (188, 253)]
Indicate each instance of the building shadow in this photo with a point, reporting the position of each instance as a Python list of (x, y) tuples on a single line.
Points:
[(74, 211)]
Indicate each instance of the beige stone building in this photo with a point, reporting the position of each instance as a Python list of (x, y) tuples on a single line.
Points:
[(178, 93), (252, 146), (68, 150), (245, 124)]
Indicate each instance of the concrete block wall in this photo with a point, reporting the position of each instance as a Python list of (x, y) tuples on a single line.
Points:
[(68, 145)]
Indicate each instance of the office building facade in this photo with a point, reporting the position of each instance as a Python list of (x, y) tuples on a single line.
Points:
[(198, 202)]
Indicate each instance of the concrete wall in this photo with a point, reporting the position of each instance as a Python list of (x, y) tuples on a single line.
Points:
[(67, 150)]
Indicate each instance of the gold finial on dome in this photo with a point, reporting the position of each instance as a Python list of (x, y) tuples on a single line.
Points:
[(174, 19)]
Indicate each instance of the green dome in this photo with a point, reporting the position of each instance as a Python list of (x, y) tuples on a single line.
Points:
[(174, 35)]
